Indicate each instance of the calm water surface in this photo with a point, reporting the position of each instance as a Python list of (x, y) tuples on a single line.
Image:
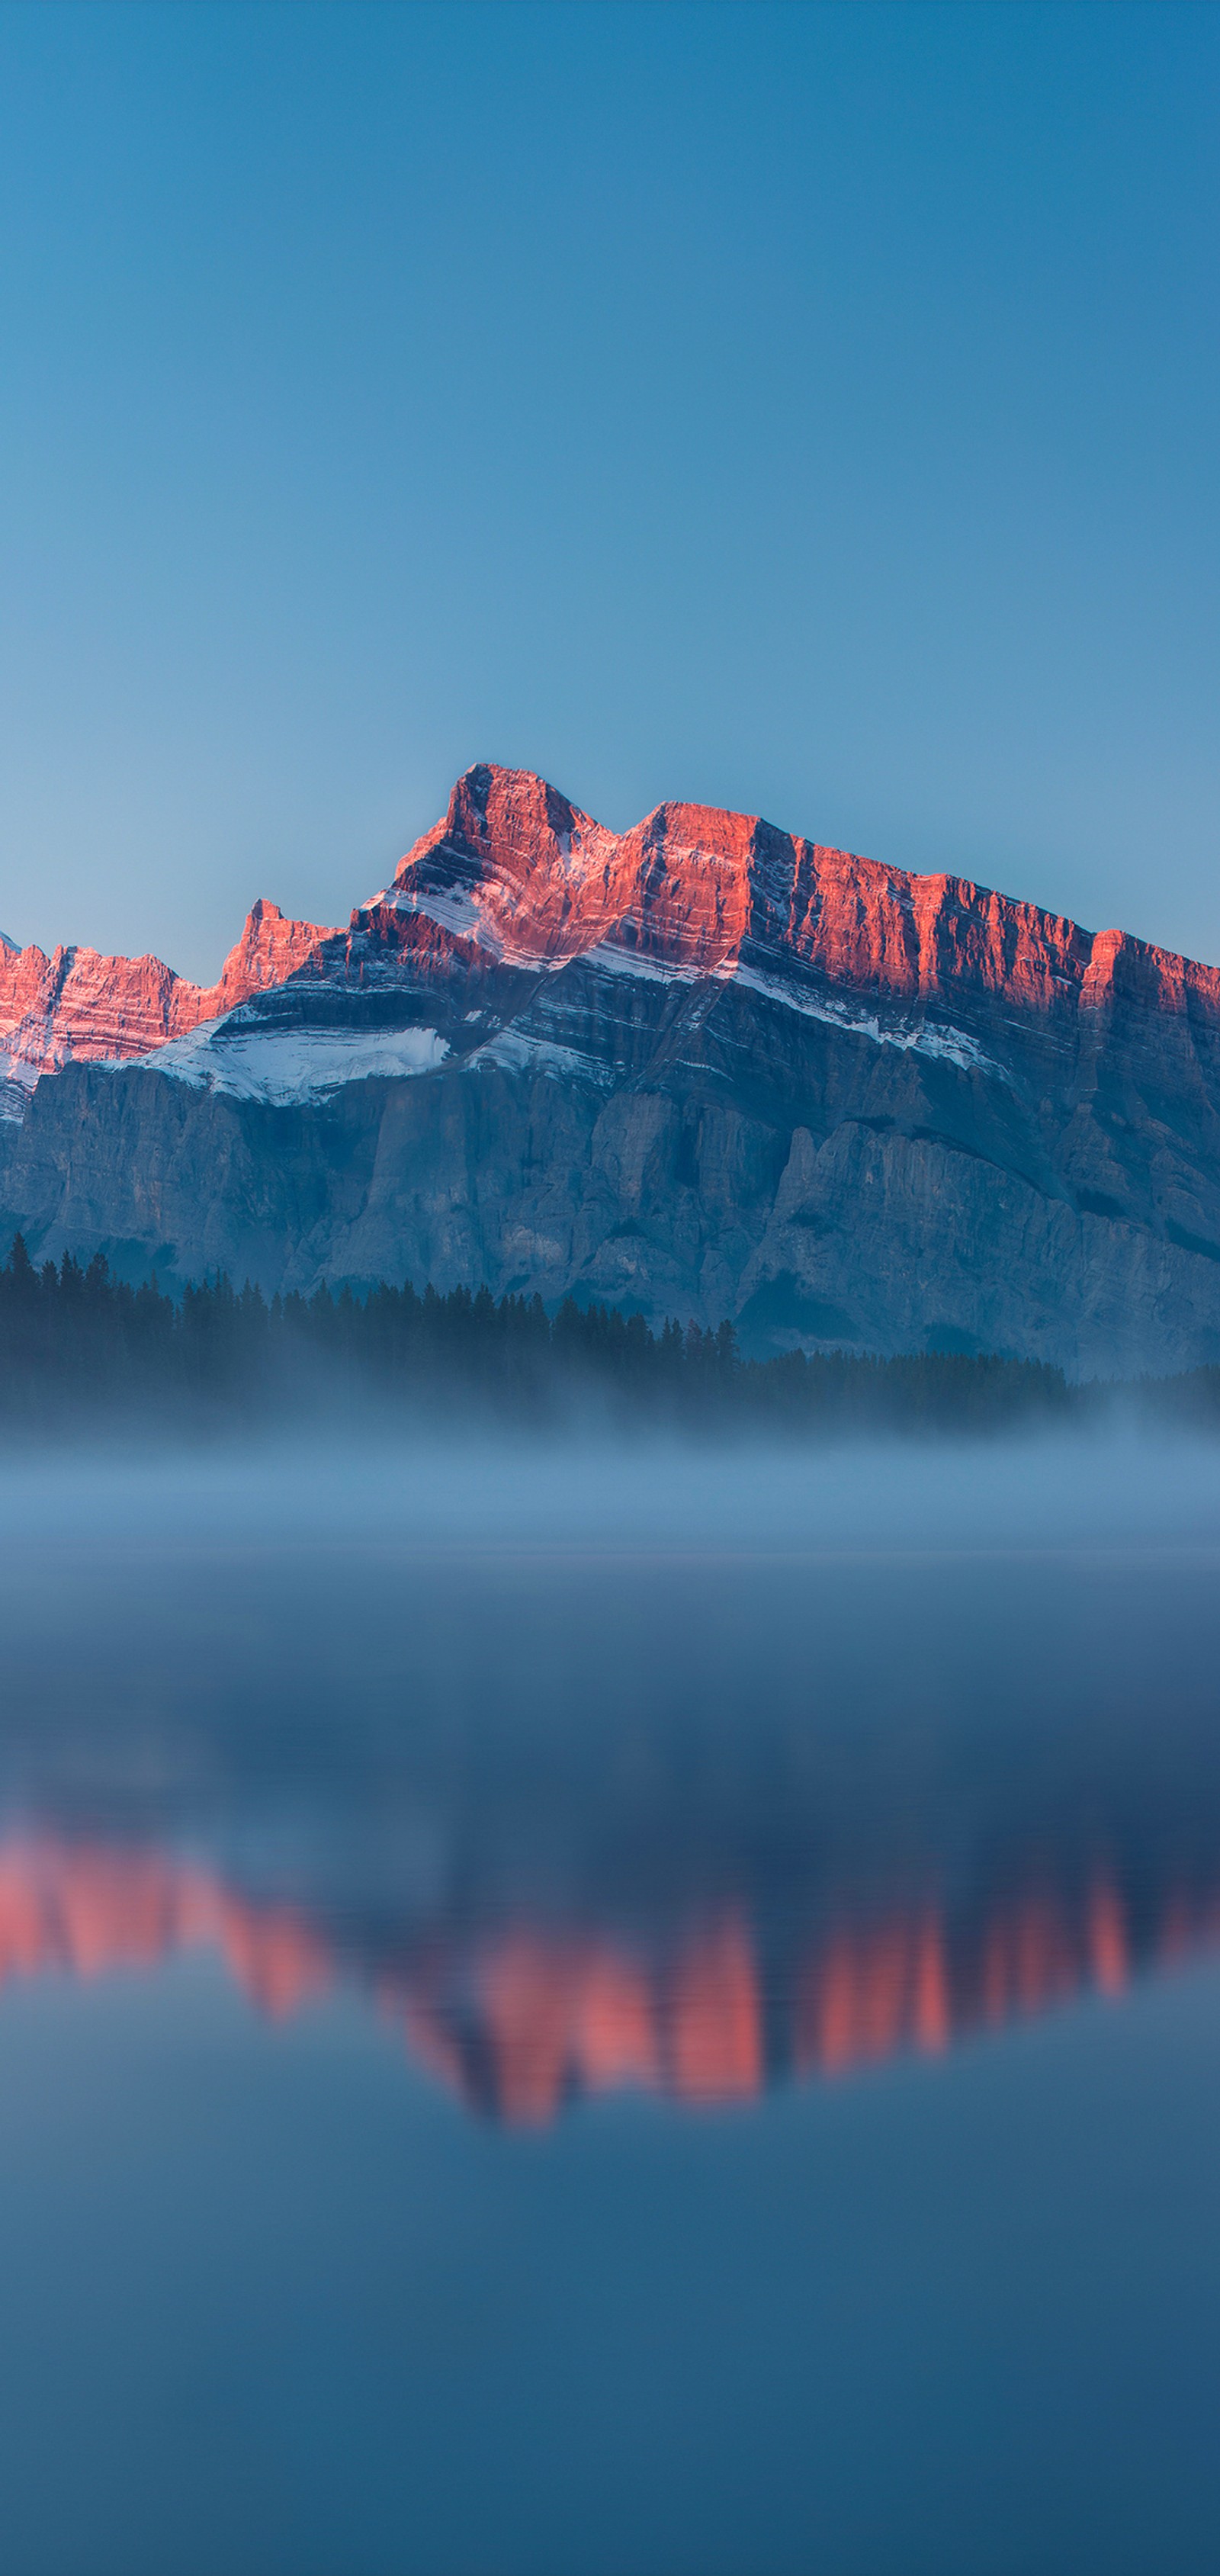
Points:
[(558, 2055)]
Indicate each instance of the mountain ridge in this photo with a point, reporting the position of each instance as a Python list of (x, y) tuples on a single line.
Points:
[(905, 946), (704, 1067), (80, 1005), (684, 889)]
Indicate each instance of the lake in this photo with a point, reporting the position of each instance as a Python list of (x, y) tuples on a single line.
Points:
[(649, 2017)]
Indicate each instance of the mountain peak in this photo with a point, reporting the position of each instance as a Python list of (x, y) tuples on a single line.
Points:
[(79, 1005), (705, 1066), (497, 811)]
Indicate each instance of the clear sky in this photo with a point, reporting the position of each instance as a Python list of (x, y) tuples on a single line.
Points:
[(807, 409)]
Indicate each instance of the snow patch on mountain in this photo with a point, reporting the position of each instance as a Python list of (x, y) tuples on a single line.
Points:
[(288, 1066), (450, 907), (610, 959), (454, 910), (18, 1067), (513, 1051), (953, 1046), (26, 1054)]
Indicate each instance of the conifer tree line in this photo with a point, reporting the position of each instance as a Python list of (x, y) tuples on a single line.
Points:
[(77, 1343)]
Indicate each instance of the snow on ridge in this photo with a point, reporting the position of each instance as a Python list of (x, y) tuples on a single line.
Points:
[(954, 1046), (29, 1051), (450, 908), (608, 958), (457, 911), (287, 1066), (20, 1069), (247, 1057), (514, 1052)]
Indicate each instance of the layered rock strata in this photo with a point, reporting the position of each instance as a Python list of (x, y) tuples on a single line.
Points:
[(702, 1067), (78, 1006)]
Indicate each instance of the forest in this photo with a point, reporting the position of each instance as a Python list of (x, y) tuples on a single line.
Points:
[(79, 1347)]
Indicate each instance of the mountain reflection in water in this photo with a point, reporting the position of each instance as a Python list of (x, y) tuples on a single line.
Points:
[(521, 2021), (689, 2046), (696, 1828)]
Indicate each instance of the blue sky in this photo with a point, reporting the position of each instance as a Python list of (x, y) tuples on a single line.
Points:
[(807, 409)]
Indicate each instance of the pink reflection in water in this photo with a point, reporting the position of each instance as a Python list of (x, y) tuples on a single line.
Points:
[(522, 2020)]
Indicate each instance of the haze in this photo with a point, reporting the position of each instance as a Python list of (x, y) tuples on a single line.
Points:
[(1110, 1489)]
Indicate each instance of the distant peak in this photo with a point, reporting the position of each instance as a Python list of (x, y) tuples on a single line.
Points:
[(487, 797), (510, 818), (487, 777)]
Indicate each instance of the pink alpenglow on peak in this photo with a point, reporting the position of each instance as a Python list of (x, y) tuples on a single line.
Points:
[(78, 1005), (693, 890), (515, 876), (703, 1067)]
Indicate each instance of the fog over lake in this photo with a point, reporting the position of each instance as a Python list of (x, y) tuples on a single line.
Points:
[(610, 2007), (1105, 1485)]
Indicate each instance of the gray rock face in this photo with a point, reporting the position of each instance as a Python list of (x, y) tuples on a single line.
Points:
[(892, 1113)]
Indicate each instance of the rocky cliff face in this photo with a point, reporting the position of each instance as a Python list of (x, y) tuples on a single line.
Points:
[(702, 1067), (77, 1006)]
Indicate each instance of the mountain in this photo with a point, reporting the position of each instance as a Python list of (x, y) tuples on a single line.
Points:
[(77, 1006), (702, 1067)]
